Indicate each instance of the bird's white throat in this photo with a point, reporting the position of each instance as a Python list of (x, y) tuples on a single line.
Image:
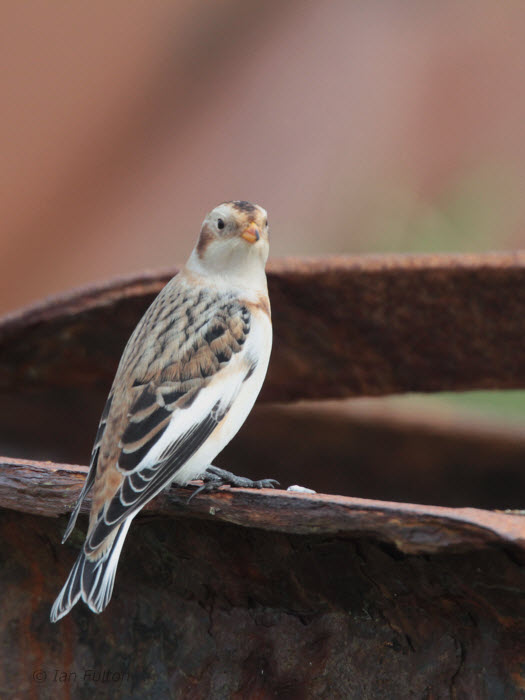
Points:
[(232, 265)]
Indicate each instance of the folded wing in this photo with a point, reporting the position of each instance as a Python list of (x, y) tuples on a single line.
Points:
[(172, 407)]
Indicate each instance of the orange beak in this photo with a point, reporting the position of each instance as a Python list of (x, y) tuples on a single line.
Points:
[(251, 234)]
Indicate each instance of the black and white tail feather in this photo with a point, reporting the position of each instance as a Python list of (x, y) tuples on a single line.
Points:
[(91, 580)]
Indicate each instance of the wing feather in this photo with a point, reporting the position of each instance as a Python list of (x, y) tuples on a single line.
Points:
[(214, 341), (161, 417), (90, 479), (141, 486)]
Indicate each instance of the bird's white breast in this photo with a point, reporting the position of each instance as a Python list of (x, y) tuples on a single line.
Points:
[(258, 346), (228, 384)]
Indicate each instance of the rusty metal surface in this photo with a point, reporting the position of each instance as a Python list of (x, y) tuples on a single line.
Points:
[(49, 489), (213, 610), (343, 327), (273, 594)]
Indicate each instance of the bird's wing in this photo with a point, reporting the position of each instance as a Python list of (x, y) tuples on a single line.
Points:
[(176, 400), (90, 479)]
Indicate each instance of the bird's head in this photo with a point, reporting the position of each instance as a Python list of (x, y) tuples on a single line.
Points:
[(233, 240)]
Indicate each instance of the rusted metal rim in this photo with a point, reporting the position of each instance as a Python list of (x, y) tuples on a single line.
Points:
[(349, 326), (50, 489)]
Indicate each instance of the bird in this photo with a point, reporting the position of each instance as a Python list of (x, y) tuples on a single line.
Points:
[(187, 380)]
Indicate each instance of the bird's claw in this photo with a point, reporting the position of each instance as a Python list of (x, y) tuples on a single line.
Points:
[(205, 488), (264, 484), (215, 477)]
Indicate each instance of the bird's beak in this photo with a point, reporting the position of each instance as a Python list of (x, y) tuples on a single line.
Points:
[(251, 234)]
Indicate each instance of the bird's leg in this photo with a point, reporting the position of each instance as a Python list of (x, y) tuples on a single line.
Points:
[(215, 474), (215, 477)]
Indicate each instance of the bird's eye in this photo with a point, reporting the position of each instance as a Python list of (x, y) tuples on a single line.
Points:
[(220, 223), (266, 223)]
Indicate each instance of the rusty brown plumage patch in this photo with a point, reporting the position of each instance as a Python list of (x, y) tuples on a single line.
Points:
[(205, 238), (262, 304)]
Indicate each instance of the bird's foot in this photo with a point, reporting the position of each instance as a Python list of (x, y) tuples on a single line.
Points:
[(215, 477)]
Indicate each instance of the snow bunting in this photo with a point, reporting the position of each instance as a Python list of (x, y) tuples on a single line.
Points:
[(187, 380)]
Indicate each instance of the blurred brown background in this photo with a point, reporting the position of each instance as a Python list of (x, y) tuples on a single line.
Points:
[(361, 127)]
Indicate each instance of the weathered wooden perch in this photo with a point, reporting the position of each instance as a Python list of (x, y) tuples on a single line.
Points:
[(272, 594)]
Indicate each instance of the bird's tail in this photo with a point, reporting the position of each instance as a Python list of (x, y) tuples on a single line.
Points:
[(91, 580)]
